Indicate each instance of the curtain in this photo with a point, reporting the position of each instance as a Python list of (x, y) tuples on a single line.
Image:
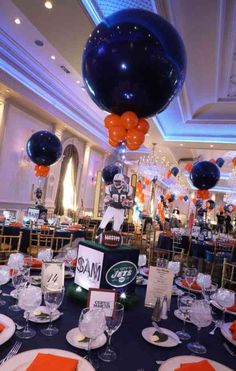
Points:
[(70, 152)]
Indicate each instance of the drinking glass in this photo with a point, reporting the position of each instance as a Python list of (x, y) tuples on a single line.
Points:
[(30, 298), (4, 278), (92, 323), (18, 281), (113, 323), (185, 302), (209, 291), (174, 266), (162, 262), (190, 275), (225, 298), (70, 256), (142, 260), (53, 300), (203, 280), (200, 315)]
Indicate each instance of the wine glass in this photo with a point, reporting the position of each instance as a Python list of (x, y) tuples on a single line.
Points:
[(162, 262), (53, 300), (71, 255), (113, 323), (4, 278), (225, 298), (18, 281), (200, 315), (203, 280), (185, 302), (209, 291), (190, 275), (92, 323), (30, 298), (142, 260)]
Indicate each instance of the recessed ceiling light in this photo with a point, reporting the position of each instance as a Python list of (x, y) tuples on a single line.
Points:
[(181, 144), (48, 4), (53, 57), (17, 21), (77, 82), (212, 145)]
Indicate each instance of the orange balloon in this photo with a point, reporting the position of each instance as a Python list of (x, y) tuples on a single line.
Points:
[(168, 195), (132, 147), (234, 161), (41, 170), (129, 120), (143, 126), (113, 143), (168, 174), (234, 207), (135, 137), (147, 181), (181, 197), (188, 167), (112, 121), (221, 209), (117, 133), (194, 200), (212, 160)]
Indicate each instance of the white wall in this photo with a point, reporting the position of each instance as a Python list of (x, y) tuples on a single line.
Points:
[(95, 164)]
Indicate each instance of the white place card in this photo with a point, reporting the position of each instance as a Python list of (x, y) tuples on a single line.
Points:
[(53, 275), (160, 281), (102, 299)]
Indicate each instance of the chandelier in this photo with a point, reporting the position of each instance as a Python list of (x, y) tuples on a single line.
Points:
[(230, 198), (153, 165)]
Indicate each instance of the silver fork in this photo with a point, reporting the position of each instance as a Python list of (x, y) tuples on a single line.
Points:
[(12, 352)]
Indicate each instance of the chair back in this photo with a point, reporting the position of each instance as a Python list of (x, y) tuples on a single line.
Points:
[(60, 242), (9, 245), (41, 239), (228, 277)]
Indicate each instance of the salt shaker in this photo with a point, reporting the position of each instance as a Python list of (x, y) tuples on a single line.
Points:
[(164, 311)]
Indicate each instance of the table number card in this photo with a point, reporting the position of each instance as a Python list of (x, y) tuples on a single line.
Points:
[(102, 299), (53, 275), (160, 281)]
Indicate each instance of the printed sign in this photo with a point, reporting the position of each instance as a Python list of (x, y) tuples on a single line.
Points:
[(121, 274), (160, 281), (53, 275), (102, 299), (89, 267), (33, 213)]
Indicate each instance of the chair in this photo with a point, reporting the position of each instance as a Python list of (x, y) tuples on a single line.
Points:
[(177, 240), (228, 277), (40, 240), (60, 242), (90, 230), (224, 249), (127, 232), (9, 245)]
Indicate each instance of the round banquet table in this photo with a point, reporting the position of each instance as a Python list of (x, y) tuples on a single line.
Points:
[(166, 242), (8, 230), (133, 351)]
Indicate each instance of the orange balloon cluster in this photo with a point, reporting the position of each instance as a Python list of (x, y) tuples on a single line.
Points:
[(147, 181), (203, 194), (126, 128), (139, 192), (188, 167), (41, 170), (161, 211), (181, 197), (234, 161), (168, 174)]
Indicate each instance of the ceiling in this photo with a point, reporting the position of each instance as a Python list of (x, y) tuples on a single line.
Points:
[(200, 122)]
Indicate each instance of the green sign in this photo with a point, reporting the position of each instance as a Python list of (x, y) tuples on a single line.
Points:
[(121, 274)]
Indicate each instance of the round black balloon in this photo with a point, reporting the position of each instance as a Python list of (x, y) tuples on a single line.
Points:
[(204, 175), (109, 172), (134, 61), (44, 148), (210, 204)]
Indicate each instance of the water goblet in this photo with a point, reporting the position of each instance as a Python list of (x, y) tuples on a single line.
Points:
[(71, 255), (92, 323), (203, 280), (184, 305), (53, 300), (18, 281), (113, 323), (200, 315), (190, 276), (225, 298), (142, 260), (162, 262), (209, 292), (4, 278), (174, 266), (30, 298)]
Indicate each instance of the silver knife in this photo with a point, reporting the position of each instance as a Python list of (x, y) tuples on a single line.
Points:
[(170, 336)]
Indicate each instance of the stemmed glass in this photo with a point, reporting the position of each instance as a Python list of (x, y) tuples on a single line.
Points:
[(92, 323), (4, 278), (113, 323), (184, 304), (142, 260), (30, 298), (225, 298), (53, 300), (190, 275), (174, 266), (208, 288), (18, 281), (200, 315), (69, 258)]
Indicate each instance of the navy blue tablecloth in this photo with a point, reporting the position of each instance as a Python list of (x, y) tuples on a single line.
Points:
[(133, 351), (166, 242)]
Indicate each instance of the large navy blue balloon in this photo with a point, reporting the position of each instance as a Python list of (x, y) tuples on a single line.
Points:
[(204, 175), (109, 172), (44, 148), (134, 61)]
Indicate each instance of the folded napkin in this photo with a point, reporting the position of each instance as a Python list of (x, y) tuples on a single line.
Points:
[(197, 366), (35, 263), (15, 224), (44, 227), (233, 308), (50, 362), (2, 327), (232, 329), (194, 285)]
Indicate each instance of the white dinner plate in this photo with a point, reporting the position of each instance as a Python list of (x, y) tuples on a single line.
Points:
[(215, 304), (36, 280), (144, 271), (74, 333), (43, 309), (180, 316), (9, 330), (227, 333), (179, 283), (173, 363), (21, 361), (170, 342), (176, 291)]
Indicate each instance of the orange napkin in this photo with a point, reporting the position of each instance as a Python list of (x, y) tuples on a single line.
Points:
[(2, 327), (197, 366), (194, 286), (50, 362), (35, 263), (232, 329), (15, 224), (44, 227), (233, 308)]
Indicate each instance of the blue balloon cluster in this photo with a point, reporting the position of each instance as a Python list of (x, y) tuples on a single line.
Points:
[(44, 148), (229, 208), (204, 175), (134, 60), (109, 172), (210, 204), (199, 203)]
